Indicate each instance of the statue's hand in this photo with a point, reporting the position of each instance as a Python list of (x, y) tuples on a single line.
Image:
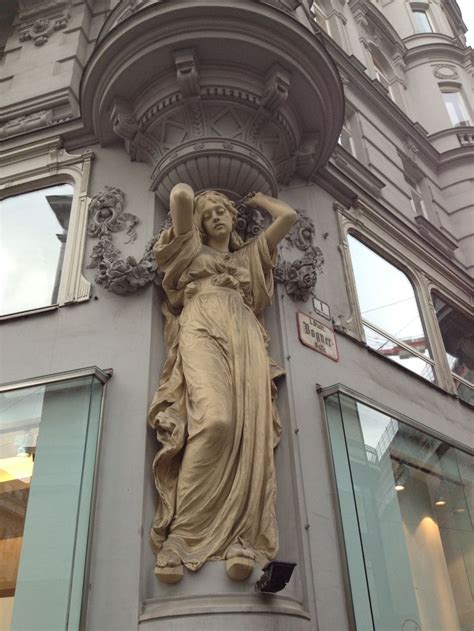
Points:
[(254, 199)]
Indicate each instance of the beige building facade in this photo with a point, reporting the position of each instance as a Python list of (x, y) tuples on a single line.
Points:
[(360, 115)]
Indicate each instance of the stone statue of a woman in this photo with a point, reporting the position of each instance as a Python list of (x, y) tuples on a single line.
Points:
[(213, 410)]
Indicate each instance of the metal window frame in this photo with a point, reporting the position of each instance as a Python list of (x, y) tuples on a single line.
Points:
[(103, 376), (372, 232), (341, 389)]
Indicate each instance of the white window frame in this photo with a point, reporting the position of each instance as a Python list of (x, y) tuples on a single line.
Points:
[(424, 269), (456, 89), (425, 12), (39, 165)]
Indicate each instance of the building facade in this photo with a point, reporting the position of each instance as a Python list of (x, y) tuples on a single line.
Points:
[(360, 115)]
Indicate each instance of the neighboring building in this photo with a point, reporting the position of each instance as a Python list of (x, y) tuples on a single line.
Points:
[(358, 113)]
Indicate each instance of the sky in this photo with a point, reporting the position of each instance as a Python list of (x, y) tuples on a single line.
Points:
[(467, 10)]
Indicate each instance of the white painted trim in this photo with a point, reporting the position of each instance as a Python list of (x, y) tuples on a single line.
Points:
[(42, 163)]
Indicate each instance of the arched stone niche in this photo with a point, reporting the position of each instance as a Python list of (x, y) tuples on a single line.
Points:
[(234, 95)]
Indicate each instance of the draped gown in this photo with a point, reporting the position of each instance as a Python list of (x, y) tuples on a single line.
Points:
[(213, 411)]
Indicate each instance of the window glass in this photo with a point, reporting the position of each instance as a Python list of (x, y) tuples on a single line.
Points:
[(320, 16), (456, 109), (407, 511), (381, 75), (48, 442), (33, 228), (20, 415), (392, 322), (417, 202), (457, 332), (422, 21), (345, 138)]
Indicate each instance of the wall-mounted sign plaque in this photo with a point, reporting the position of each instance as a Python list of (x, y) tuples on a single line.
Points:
[(317, 336), (321, 308)]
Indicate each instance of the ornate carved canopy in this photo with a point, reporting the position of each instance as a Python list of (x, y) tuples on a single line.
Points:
[(231, 94)]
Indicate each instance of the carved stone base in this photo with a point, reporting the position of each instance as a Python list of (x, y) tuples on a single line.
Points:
[(169, 575), (239, 568)]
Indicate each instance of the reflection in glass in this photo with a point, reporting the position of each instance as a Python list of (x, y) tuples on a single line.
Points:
[(399, 354), (20, 415), (388, 305), (457, 332), (410, 499), (33, 229)]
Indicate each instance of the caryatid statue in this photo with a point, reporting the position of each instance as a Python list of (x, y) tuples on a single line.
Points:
[(213, 411)]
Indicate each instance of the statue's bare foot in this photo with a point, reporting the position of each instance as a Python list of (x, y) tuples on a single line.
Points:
[(169, 567), (240, 561), (240, 550)]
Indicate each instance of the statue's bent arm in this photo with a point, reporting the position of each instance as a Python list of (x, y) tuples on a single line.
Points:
[(283, 218)]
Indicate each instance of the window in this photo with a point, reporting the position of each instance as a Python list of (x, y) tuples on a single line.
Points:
[(48, 441), (345, 138), (34, 229), (456, 107), (457, 332), (320, 16), (382, 76), (417, 201), (390, 315), (46, 191), (422, 21), (405, 503)]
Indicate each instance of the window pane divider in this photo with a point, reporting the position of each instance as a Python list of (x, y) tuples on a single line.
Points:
[(406, 347), (456, 377)]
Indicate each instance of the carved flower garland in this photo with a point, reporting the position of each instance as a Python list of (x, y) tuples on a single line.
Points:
[(127, 275)]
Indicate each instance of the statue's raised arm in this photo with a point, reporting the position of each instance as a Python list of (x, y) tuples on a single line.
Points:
[(181, 208)]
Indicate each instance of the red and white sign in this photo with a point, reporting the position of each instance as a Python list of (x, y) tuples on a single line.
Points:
[(317, 336)]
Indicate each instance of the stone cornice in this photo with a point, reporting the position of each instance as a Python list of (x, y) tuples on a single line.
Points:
[(444, 51), (354, 171), (452, 9)]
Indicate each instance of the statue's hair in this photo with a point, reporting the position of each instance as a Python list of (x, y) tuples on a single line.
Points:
[(235, 242)]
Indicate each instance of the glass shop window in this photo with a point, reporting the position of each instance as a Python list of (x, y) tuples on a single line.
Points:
[(390, 315), (457, 331), (33, 228), (456, 108), (407, 512), (422, 21), (48, 440)]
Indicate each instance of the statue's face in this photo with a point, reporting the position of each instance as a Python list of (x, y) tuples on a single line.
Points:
[(217, 222)]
